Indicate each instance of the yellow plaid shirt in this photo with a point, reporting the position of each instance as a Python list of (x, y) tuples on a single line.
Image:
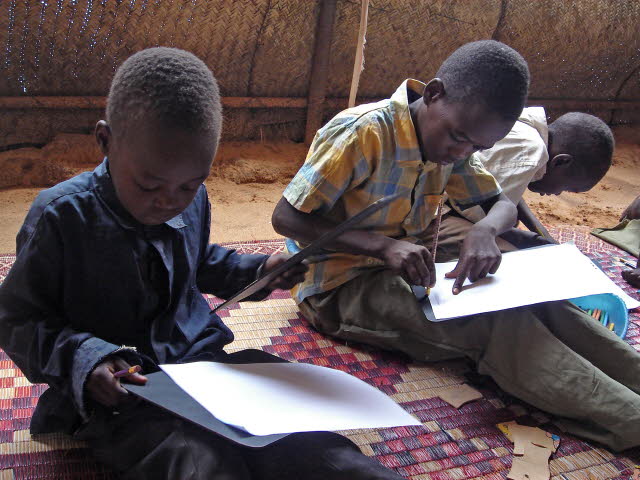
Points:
[(367, 153)]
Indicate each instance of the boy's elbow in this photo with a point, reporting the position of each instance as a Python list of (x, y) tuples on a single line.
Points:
[(511, 212), (280, 217)]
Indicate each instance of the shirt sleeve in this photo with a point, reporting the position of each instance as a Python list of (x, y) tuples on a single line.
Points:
[(470, 183), (222, 271), (335, 163), (33, 329), (516, 164)]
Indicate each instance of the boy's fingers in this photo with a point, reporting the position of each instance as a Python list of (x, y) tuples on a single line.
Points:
[(428, 260), (460, 274), (474, 271), (422, 272), (624, 213), (459, 281), (297, 268), (135, 378), (414, 274), (632, 277), (481, 271), (120, 364), (106, 389), (496, 265), (454, 273)]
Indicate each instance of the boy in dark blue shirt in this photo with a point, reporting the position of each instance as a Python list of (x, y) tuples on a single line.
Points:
[(109, 273)]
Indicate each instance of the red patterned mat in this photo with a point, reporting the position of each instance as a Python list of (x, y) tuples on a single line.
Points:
[(451, 444)]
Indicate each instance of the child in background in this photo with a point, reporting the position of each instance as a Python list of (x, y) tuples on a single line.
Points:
[(109, 273), (571, 154)]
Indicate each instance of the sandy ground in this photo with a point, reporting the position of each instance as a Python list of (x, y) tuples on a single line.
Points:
[(248, 180)]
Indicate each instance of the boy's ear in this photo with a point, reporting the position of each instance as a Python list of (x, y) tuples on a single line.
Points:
[(561, 160), (433, 91), (103, 136)]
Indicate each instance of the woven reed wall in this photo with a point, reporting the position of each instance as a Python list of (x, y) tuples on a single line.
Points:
[(587, 49)]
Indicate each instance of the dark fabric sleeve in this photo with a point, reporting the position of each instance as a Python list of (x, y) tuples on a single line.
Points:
[(221, 271), (89, 354), (33, 328)]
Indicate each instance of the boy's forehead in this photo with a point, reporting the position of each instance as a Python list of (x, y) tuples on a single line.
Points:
[(478, 123), (152, 131), (156, 149)]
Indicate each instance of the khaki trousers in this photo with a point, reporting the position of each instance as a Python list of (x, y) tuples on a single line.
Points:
[(550, 355)]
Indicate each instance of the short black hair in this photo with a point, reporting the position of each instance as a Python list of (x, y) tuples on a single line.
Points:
[(587, 139), (166, 84), (490, 73)]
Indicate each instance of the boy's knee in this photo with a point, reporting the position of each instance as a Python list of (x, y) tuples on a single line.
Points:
[(191, 453)]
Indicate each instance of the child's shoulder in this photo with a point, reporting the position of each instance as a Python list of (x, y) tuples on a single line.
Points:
[(63, 192), (362, 115), (53, 204)]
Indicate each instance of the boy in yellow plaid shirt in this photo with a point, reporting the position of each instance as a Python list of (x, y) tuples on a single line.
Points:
[(419, 144)]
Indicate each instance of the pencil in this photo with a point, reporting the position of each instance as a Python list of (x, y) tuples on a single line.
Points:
[(624, 262), (128, 371), (437, 233)]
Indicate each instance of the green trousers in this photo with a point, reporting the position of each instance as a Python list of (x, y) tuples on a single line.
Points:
[(550, 355)]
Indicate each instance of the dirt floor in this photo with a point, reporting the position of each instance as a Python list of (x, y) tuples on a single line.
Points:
[(248, 179)]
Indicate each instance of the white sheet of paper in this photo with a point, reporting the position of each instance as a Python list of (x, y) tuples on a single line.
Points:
[(525, 277), (268, 398)]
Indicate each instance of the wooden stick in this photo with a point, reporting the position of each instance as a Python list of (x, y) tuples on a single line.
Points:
[(97, 102), (434, 247), (358, 65)]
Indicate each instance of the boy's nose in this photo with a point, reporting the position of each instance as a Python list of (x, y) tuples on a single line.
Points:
[(165, 202)]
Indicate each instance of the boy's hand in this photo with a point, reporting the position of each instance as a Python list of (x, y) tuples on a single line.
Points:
[(105, 389), (632, 276), (287, 279), (412, 262), (479, 256), (632, 212)]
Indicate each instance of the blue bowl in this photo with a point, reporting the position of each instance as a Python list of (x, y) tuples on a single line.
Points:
[(610, 303)]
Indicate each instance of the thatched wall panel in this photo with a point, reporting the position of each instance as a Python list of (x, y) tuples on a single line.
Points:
[(263, 123), (79, 47), (37, 127), (264, 47), (405, 38), (285, 50), (629, 89), (587, 49), (575, 48)]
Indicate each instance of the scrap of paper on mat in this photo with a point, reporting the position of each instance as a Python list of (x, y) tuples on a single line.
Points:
[(522, 436), (504, 427), (458, 395), (532, 449), (533, 465)]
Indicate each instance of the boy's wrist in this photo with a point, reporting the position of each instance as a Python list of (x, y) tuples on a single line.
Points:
[(380, 245), (484, 228)]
